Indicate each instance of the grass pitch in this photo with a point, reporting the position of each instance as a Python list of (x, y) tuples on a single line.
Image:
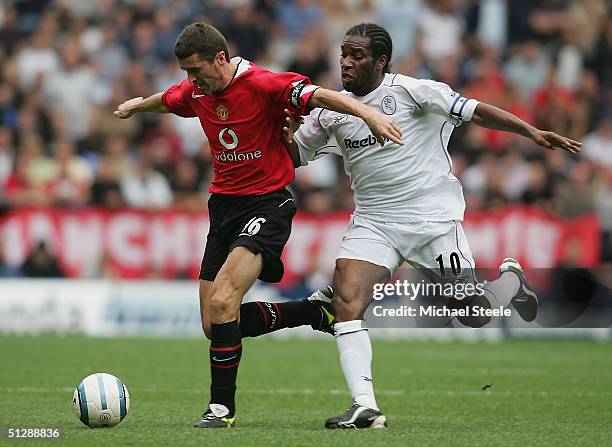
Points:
[(542, 392)]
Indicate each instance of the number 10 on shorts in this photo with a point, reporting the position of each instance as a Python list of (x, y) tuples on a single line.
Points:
[(455, 264), (253, 226)]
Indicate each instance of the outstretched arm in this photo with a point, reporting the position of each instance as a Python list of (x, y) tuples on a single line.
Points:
[(153, 103), (492, 117), (382, 126)]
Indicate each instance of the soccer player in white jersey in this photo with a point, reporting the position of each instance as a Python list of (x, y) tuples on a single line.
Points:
[(408, 204)]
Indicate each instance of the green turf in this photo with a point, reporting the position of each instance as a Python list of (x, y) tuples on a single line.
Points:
[(543, 392)]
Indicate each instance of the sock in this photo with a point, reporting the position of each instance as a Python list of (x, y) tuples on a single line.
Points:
[(225, 353), (501, 291), (259, 317), (498, 293), (355, 352)]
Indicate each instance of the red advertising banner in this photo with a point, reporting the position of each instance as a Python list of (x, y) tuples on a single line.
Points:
[(135, 244)]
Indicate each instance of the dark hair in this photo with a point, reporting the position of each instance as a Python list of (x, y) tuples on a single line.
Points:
[(202, 39), (380, 40)]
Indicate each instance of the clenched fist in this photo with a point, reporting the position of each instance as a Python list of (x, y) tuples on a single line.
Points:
[(129, 107)]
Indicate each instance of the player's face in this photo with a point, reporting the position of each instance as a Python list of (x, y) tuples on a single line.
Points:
[(361, 73), (203, 74)]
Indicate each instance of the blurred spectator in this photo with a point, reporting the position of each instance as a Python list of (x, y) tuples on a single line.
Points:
[(19, 190), (489, 21), (602, 55), (6, 271), (309, 58), (299, 16), (401, 18), (577, 196), (517, 176), (528, 68), (166, 30), (317, 201), (245, 31), (539, 190), (570, 58), (105, 190), (321, 173), (143, 46), (187, 186), (71, 91), (71, 184), (110, 57), (37, 59), (440, 29), (548, 18), (10, 33), (41, 263), (597, 145), (164, 144), (554, 106), (603, 207), (145, 187), (7, 155)]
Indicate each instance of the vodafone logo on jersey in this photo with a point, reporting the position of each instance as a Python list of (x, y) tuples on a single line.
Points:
[(229, 140)]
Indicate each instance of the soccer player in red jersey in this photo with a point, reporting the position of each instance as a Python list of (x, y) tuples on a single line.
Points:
[(241, 109)]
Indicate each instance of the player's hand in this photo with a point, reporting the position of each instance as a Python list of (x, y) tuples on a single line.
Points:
[(383, 128), (292, 124), (553, 141), (128, 108)]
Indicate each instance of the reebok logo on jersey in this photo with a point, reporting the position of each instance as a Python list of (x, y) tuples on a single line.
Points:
[(364, 142)]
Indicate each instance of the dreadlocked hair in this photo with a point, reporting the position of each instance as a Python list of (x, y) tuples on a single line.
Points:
[(380, 40)]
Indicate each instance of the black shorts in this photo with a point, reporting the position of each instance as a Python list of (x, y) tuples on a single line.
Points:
[(260, 223)]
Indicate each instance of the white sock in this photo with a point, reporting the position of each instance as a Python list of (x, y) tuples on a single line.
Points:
[(355, 352), (501, 291)]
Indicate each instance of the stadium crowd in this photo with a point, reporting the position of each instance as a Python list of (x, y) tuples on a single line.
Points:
[(66, 64)]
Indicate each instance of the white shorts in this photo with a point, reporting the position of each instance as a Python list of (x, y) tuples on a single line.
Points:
[(428, 245)]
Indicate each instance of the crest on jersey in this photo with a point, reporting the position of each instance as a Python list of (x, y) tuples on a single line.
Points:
[(222, 112), (388, 105)]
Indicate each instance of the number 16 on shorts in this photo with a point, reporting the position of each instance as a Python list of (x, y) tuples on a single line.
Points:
[(253, 226)]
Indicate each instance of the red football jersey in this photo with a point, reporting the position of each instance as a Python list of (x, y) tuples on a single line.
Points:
[(244, 125)]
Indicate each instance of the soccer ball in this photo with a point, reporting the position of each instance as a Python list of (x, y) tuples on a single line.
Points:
[(101, 400)]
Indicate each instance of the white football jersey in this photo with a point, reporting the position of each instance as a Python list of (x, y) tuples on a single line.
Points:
[(396, 183)]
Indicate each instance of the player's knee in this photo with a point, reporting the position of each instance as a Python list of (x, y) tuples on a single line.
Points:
[(222, 291), (347, 305), (220, 305)]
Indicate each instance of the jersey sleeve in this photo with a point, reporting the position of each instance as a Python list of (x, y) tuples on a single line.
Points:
[(439, 98), (289, 91), (314, 139), (176, 99)]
